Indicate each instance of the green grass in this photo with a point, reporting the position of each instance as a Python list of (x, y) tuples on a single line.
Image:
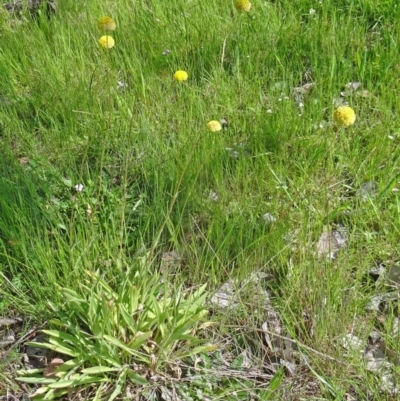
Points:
[(142, 151)]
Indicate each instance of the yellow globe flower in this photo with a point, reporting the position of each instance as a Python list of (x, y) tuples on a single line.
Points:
[(107, 42), (106, 24), (214, 126), (344, 116), (243, 5), (181, 75)]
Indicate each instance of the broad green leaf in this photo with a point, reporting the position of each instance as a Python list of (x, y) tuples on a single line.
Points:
[(119, 385), (53, 347), (72, 295), (197, 303), (199, 291), (78, 382), (36, 380), (51, 394), (275, 382), (41, 390), (60, 343), (99, 392), (194, 351), (57, 322), (68, 365), (106, 353), (101, 282), (62, 335), (136, 342), (117, 391), (178, 333), (135, 378), (188, 337), (134, 299), (94, 315), (24, 372), (118, 344), (129, 321), (98, 369), (131, 351), (159, 313)]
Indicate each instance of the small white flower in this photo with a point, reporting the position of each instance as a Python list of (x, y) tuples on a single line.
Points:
[(312, 11), (268, 218), (233, 153), (78, 187), (269, 111), (213, 196), (121, 85)]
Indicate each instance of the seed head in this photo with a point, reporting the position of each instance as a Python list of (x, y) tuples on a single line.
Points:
[(106, 42), (106, 24), (243, 5), (214, 126), (344, 116), (181, 75)]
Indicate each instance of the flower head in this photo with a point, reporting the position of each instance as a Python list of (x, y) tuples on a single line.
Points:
[(78, 187), (107, 42), (106, 24), (243, 5), (345, 116), (181, 75), (214, 126)]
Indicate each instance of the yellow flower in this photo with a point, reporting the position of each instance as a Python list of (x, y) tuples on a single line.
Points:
[(242, 5), (106, 24), (181, 75), (214, 126), (345, 116), (107, 42)]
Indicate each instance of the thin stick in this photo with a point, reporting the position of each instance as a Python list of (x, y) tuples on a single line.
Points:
[(292, 341), (223, 54), (25, 337)]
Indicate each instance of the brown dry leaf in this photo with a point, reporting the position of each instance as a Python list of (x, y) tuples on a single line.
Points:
[(327, 244), (330, 242), (9, 322), (226, 296), (301, 92), (304, 89), (170, 260), (364, 93), (23, 160), (394, 275), (368, 190), (51, 368)]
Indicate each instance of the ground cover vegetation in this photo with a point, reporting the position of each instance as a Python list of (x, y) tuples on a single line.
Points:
[(200, 200)]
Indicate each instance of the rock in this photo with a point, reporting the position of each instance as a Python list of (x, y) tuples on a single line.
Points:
[(33, 6)]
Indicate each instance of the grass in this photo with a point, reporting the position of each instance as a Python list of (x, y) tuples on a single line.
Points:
[(116, 122)]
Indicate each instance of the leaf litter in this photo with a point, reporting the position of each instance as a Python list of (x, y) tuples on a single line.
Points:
[(280, 351), (367, 190), (376, 353), (330, 242)]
